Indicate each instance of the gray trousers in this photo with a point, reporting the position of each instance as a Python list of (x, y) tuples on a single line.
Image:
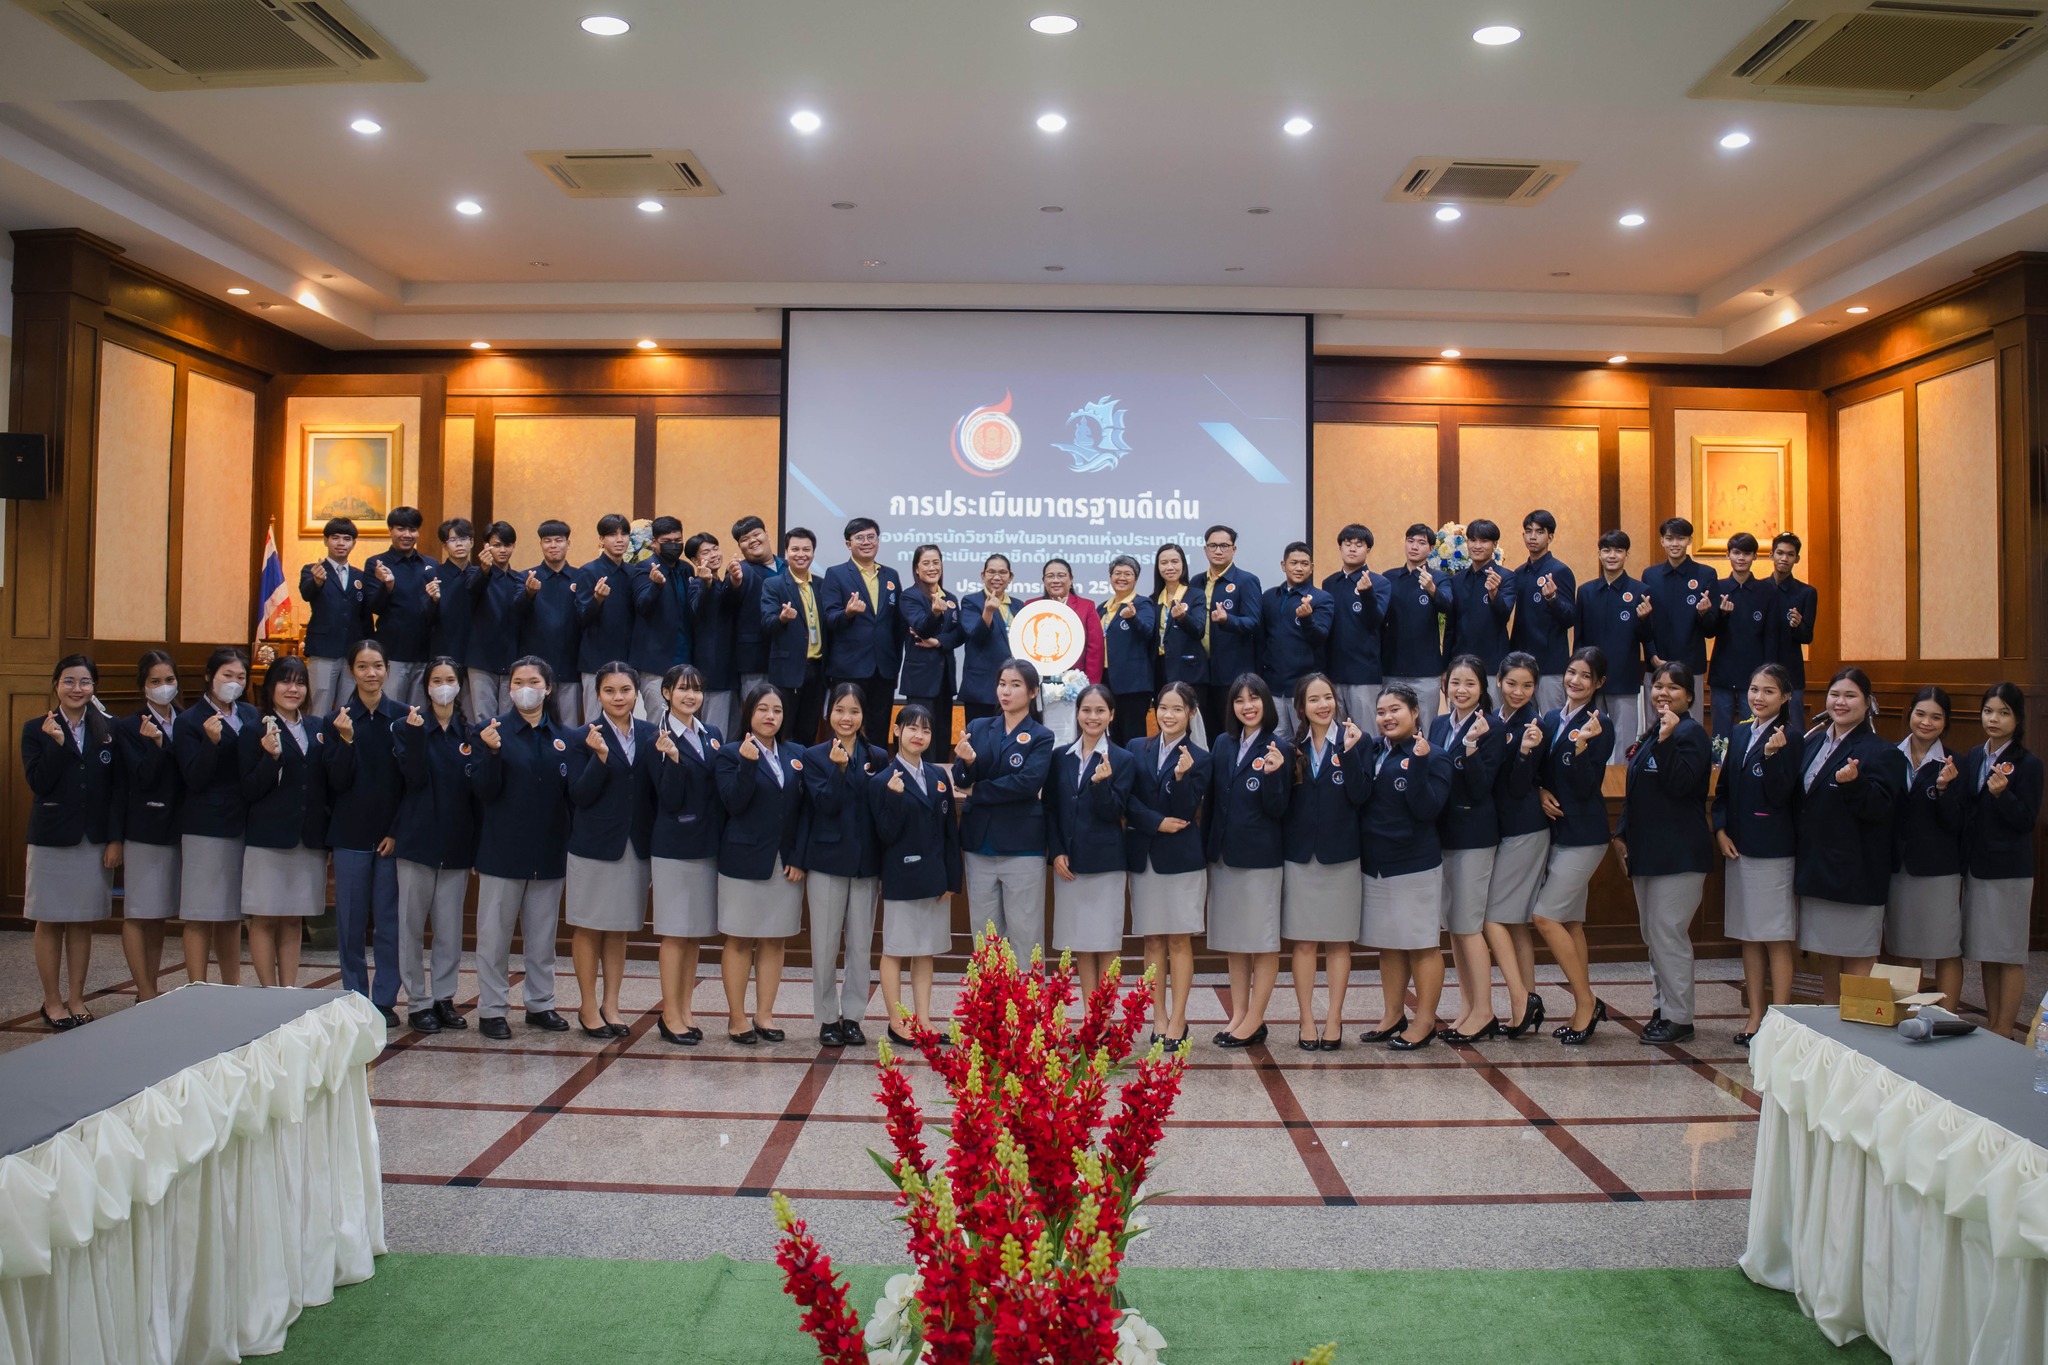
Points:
[(429, 897), (750, 681), (329, 690), (1009, 893), (406, 683), (719, 709), (1361, 702), (566, 701), (534, 909), (1283, 708), (490, 694), (652, 707), (1426, 696), (1624, 721), (1550, 692), (1664, 908), (841, 904)]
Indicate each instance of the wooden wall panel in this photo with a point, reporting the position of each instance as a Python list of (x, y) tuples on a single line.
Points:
[(711, 471), (1380, 473), (216, 524), (132, 495), (1957, 430), (1870, 445), (1638, 495), (1706, 424), (458, 469), (1507, 472), (576, 469), (302, 410)]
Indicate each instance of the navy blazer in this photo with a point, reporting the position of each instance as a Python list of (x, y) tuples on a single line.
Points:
[(1322, 822), (1998, 831), (1411, 640), (284, 795), (437, 817), (788, 641), (363, 779), (1574, 778), (1927, 832), (1002, 814), (340, 617), (1543, 624), (550, 620), (713, 646), (761, 815), (1479, 624), (920, 843), (1517, 793), (1845, 832), (149, 782), (836, 834), (1291, 646), (750, 646), (1247, 807), (522, 791), (1756, 800), (211, 771), (865, 644), (607, 624), (405, 613), (77, 793), (1742, 637), (455, 614), (1470, 819), (988, 648), (1609, 616), (664, 620), (689, 819), (1405, 797), (1085, 823), (1129, 646), (1182, 656), (495, 598), (1355, 621), (1233, 641), (928, 672), (1158, 795), (1785, 643), (608, 801), (1678, 633), (1664, 811)]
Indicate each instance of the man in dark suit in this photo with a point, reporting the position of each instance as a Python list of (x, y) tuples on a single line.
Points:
[(755, 564), (863, 628), (793, 631), (1231, 600), (1791, 622), (340, 614)]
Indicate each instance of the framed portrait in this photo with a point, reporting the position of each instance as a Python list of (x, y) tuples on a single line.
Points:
[(1739, 486), (349, 471)]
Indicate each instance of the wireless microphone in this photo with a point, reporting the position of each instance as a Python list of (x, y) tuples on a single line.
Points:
[(1922, 1029)]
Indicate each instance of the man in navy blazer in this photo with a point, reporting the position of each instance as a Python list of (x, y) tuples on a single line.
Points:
[(755, 564), (338, 597), (792, 619), (1230, 598), (1791, 622), (664, 596), (863, 629)]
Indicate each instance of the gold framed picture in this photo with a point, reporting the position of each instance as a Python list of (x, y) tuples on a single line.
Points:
[(349, 471), (1739, 486)]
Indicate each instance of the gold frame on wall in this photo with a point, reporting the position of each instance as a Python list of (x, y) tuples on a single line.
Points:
[(371, 521), (1740, 509)]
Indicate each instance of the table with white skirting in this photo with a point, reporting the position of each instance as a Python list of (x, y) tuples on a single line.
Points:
[(1901, 1189)]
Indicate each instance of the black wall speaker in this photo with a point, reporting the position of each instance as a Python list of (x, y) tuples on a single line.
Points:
[(24, 465)]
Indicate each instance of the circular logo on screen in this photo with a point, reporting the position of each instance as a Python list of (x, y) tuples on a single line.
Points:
[(987, 440), (1048, 634)]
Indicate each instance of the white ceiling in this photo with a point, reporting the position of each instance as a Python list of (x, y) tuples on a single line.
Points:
[(1175, 109)]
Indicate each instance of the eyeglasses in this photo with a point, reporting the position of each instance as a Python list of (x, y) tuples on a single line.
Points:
[(1220, 545)]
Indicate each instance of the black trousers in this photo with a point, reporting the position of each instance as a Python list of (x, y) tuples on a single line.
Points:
[(1215, 708), (1132, 709), (941, 708), (877, 702), (972, 711), (803, 710)]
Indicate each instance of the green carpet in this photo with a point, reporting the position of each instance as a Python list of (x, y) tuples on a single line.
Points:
[(485, 1310)]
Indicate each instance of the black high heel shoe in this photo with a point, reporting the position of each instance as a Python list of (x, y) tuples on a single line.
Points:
[(1380, 1035), (1400, 1042), (61, 1024), (1489, 1029), (1532, 1018), (603, 1030), (1575, 1037), (689, 1037), (1232, 1040)]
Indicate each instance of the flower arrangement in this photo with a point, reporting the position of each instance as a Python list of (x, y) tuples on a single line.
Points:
[(1063, 686), (1451, 556), (1018, 1227)]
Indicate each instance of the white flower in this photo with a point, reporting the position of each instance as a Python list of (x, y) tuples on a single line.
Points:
[(890, 1325), (1137, 1341)]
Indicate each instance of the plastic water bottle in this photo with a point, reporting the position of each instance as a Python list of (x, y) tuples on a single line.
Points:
[(2041, 1049)]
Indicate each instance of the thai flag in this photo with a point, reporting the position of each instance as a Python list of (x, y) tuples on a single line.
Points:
[(274, 616)]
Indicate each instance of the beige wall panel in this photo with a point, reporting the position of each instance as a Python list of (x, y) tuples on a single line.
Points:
[(1958, 419), (1871, 451), (575, 469), (1706, 424), (1638, 497), (1380, 473), (132, 496), (220, 492), (299, 550), (458, 469), (1507, 472), (711, 471)]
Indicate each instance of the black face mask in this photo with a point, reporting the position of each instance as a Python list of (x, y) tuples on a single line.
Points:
[(671, 553)]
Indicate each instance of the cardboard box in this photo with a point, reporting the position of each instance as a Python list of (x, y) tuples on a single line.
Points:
[(1884, 996)]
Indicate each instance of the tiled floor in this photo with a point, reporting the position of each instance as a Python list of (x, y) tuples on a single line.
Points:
[(1511, 1153)]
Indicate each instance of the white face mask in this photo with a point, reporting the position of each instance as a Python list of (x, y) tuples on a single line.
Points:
[(227, 691), (528, 698), (444, 694), (163, 694)]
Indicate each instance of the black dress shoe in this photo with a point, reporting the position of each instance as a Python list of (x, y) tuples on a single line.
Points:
[(1742, 1039), (1401, 1042), (747, 1039), (426, 1021), (390, 1016), (603, 1030), (1331, 1044), (1308, 1044), (1577, 1037), (850, 1030), (617, 1029), (1380, 1035), (899, 1040), (832, 1036), (1232, 1040), (770, 1035), (551, 1020), (1660, 1031), (63, 1023), (1489, 1029), (497, 1030), (450, 1017), (1532, 1018), (689, 1037)]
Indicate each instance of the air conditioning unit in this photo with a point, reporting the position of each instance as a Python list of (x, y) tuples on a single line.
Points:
[(628, 173), (216, 44), (1919, 54), (1474, 180)]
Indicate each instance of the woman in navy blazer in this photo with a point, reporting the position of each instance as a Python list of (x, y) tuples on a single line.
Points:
[(760, 884), (1000, 767), (1401, 915), (841, 860), (1575, 744), (284, 858), (1923, 913), (2002, 784), (689, 821), (1756, 826), (1851, 780), (913, 812), (435, 845), (149, 820), (1085, 795), (1524, 844), (610, 823), (931, 632), (212, 818), (1665, 845), (1248, 794), (1321, 842), (1163, 850), (366, 787), (1130, 627), (1178, 628), (985, 629), (1469, 830), (74, 834)]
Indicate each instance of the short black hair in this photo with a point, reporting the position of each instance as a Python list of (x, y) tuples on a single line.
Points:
[(1269, 715), (1542, 519), (1061, 562), (221, 658), (859, 524), (1787, 538), (456, 526), (697, 542), (1294, 547), (799, 533), (1593, 657), (1674, 526), (664, 526), (1356, 531), (338, 526), (1614, 540), (1742, 541), (1230, 531), (554, 528), (1482, 529), (612, 524), (502, 532), (405, 519), (1418, 529), (746, 526), (538, 665), (2016, 700)]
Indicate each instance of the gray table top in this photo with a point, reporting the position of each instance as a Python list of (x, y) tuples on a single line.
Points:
[(48, 1086), (1991, 1077)]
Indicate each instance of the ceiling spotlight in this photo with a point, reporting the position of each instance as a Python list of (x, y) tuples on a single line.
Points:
[(844, 204), (1450, 353), (479, 345), (1296, 126), (1232, 269), (1632, 220), (644, 345), (605, 26), (1496, 35), (1052, 123), (1053, 25), (542, 265), (1449, 213), (367, 126), (1617, 360), (307, 299), (1258, 210), (873, 263), (236, 289), (1857, 308), (1560, 274), (1055, 267), (651, 206), (468, 208), (804, 121), (1051, 208), (1732, 141)]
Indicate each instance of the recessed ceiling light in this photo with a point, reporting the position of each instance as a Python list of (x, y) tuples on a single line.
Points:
[(468, 208), (1051, 208), (1232, 269), (236, 289), (1296, 126), (1055, 267), (479, 345), (804, 121), (651, 206), (1052, 123), (1258, 210), (1496, 35), (1828, 324), (605, 25), (327, 277), (1632, 220), (644, 345), (540, 264), (1617, 360), (308, 300), (1053, 25), (1732, 141), (1449, 213), (1450, 353), (1560, 274), (1857, 308), (873, 263), (844, 204), (367, 126)]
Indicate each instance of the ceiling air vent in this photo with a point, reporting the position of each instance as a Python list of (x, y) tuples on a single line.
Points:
[(1921, 54), (214, 44), (1450, 180), (628, 174)]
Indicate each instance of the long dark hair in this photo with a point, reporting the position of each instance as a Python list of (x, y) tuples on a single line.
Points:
[(459, 713), (1478, 668), (757, 694), (289, 668), (1860, 680), (1188, 699), (2010, 694), (147, 664), (1159, 579), (97, 727), (1269, 716), (839, 691), (1028, 671)]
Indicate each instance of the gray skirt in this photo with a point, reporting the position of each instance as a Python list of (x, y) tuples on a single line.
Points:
[(1088, 912), (68, 885), (770, 909), (1468, 885), (149, 881), (1403, 913), (1244, 909), (685, 897), (607, 894), (1167, 903), (210, 880), (285, 883), (1319, 902), (1995, 913), (1517, 872), (1923, 917), (1562, 896), (1757, 901), (1833, 929), (918, 928)]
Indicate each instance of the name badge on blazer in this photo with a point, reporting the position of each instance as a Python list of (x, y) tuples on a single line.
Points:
[(1016, 760), (1358, 606), (1251, 784), (1400, 784), (106, 756)]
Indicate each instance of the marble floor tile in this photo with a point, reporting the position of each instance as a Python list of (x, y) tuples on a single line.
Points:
[(639, 1151), (1684, 1157), (437, 1142), (1389, 1093), (834, 1156), (1236, 1162), (1504, 1163), (1566, 1093), (418, 1073), (633, 1082)]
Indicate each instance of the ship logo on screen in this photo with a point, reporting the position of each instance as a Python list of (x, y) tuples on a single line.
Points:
[(1098, 442), (987, 440)]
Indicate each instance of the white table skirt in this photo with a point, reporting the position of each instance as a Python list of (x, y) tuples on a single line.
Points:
[(1892, 1213), (191, 1223)]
